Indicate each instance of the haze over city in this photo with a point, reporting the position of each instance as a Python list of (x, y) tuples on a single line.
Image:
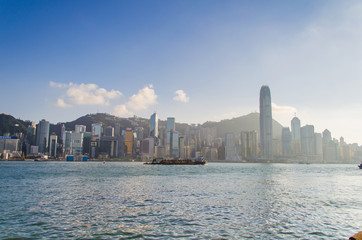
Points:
[(196, 61)]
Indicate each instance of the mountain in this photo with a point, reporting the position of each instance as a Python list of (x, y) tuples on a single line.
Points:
[(244, 123), (11, 125)]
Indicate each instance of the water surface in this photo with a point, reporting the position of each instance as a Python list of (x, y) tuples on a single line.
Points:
[(85, 200)]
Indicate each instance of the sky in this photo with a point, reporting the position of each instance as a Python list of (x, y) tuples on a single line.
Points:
[(197, 61)]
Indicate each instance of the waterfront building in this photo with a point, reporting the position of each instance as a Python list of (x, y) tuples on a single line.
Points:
[(109, 145), (80, 128), (97, 129), (109, 131), (67, 143), (139, 133), (277, 147), (9, 144), (76, 143), (327, 136), (307, 140), (266, 124), (296, 144), (286, 142), (31, 135), (154, 125), (249, 144), (53, 142), (117, 130), (170, 128), (128, 142), (174, 144), (318, 147), (170, 124), (147, 148), (182, 147), (328, 149), (230, 148), (42, 135)]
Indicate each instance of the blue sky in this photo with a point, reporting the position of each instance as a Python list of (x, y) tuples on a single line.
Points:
[(192, 60)]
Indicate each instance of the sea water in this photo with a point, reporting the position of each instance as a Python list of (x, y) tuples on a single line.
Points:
[(91, 200)]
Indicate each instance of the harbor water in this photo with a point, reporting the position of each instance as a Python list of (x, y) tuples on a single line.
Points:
[(92, 200)]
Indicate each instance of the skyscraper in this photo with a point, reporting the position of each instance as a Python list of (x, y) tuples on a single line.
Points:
[(266, 127), (170, 124), (296, 144), (170, 128), (154, 125), (42, 136), (286, 142)]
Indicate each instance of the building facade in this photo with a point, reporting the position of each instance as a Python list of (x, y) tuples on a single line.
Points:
[(266, 124)]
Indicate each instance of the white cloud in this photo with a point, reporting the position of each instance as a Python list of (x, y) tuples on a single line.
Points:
[(283, 114), (57, 85), (85, 94), (60, 103), (137, 102), (285, 109), (181, 96), (121, 110), (143, 99)]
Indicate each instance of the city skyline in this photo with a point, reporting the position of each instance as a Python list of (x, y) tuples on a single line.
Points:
[(198, 62)]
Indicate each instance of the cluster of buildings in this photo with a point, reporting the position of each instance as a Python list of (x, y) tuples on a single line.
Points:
[(144, 141), (301, 143)]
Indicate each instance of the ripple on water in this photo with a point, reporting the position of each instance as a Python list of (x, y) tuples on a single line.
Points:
[(131, 200)]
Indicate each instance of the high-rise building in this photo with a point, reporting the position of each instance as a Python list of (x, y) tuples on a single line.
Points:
[(286, 142), (53, 142), (182, 147), (174, 144), (109, 131), (318, 147), (80, 128), (147, 148), (249, 144), (97, 129), (170, 124), (154, 125), (296, 144), (307, 140), (327, 136), (230, 148), (266, 124), (170, 128), (128, 142), (42, 136), (77, 143)]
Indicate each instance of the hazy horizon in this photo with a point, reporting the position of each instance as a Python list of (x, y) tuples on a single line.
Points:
[(196, 61)]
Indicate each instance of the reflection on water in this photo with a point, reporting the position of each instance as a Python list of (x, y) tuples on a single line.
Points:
[(132, 200)]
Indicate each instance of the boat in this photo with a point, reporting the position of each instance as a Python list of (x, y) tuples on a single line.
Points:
[(174, 161), (360, 166)]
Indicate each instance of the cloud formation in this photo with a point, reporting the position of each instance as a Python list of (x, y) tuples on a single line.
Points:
[(143, 99), (283, 114), (84, 94), (181, 96), (285, 109), (137, 102), (60, 103)]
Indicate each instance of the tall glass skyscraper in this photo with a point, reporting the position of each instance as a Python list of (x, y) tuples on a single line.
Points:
[(296, 144), (154, 125), (170, 124), (266, 124), (42, 136)]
